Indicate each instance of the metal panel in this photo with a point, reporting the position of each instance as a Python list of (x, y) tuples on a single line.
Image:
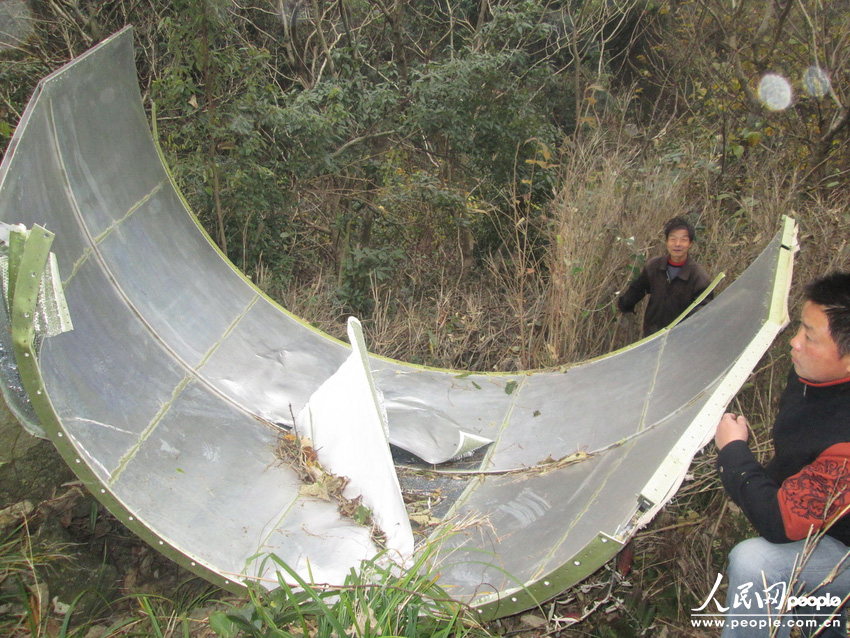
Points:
[(170, 394)]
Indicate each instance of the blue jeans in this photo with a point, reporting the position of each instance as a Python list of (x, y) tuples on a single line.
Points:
[(820, 581)]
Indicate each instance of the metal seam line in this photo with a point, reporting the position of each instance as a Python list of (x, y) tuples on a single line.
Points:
[(93, 250)]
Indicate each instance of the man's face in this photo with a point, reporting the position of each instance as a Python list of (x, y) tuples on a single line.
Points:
[(678, 245), (813, 351)]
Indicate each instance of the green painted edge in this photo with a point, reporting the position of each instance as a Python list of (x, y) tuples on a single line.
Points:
[(594, 555), (705, 293), (34, 254), (17, 241), (34, 258)]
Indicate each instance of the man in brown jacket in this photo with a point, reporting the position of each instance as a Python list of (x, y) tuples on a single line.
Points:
[(672, 281)]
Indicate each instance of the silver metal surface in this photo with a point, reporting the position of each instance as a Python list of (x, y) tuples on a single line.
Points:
[(168, 396)]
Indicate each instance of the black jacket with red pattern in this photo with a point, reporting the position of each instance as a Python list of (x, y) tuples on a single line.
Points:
[(807, 484)]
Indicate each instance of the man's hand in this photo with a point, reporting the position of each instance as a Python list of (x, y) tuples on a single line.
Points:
[(731, 428)]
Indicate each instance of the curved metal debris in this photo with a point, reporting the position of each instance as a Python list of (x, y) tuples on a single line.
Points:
[(169, 395)]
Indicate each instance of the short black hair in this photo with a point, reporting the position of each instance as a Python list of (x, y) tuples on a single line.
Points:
[(677, 223), (832, 292)]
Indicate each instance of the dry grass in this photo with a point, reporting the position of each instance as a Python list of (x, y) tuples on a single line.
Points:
[(531, 308)]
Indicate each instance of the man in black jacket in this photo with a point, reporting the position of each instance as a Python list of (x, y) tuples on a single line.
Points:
[(672, 281), (799, 502)]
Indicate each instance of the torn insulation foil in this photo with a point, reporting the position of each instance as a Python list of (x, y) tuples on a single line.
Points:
[(346, 422), (169, 397)]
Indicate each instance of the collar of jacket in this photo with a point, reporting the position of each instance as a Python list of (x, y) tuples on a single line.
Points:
[(825, 384), (684, 272)]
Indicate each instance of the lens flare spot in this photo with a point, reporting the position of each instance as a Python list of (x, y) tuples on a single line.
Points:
[(816, 81), (775, 92)]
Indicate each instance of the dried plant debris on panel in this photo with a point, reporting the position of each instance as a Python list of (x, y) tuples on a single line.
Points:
[(299, 454)]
